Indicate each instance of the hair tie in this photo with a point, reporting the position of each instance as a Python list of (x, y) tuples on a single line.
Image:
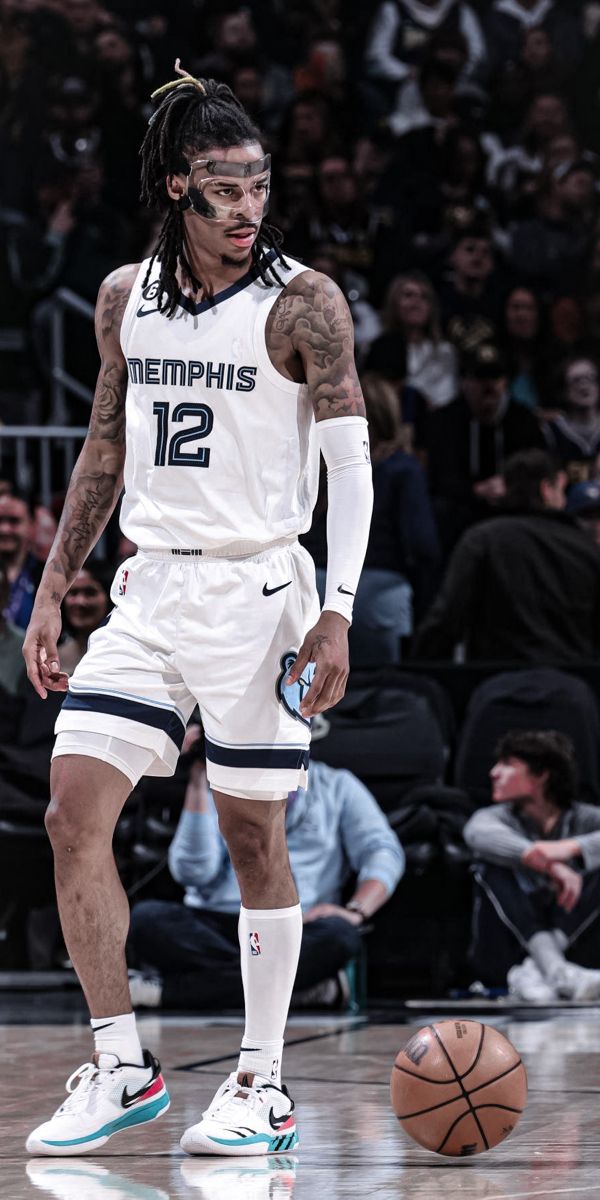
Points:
[(185, 79)]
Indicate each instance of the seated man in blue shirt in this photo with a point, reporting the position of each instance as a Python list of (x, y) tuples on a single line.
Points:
[(335, 830)]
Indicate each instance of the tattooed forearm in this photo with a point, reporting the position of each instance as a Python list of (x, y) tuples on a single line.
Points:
[(312, 316), (108, 413), (88, 505)]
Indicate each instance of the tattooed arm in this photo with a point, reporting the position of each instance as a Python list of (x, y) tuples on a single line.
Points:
[(93, 491), (310, 327), (312, 324)]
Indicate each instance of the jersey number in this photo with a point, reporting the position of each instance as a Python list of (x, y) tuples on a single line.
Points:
[(168, 450)]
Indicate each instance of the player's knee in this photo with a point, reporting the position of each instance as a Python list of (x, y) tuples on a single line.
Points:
[(251, 844), (62, 825)]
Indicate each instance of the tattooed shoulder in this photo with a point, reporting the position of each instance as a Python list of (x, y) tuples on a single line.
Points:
[(112, 299), (313, 314)]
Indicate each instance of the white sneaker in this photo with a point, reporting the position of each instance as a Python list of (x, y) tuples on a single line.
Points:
[(145, 990), (578, 983), (100, 1103), (66, 1180), (275, 1177), (245, 1120), (526, 982)]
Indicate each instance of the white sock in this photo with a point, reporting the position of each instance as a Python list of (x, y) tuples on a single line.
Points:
[(270, 948), (546, 954), (118, 1037)]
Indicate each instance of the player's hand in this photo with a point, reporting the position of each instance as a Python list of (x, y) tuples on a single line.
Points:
[(326, 644), (40, 651), (568, 884)]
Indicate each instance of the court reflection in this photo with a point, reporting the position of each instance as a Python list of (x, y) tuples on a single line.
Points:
[(72, 1179), (270, 1178)]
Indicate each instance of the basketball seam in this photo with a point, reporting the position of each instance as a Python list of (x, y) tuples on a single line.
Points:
[(443, 1103), (463, 1089)]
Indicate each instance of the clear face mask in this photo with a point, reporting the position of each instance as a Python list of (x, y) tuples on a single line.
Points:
[(227, 191)]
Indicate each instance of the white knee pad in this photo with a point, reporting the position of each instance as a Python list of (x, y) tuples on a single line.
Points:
[(133, 761), (250, 795)]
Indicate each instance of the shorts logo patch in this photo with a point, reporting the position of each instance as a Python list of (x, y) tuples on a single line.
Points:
[(291, 695), (254, 944), (123, 582)]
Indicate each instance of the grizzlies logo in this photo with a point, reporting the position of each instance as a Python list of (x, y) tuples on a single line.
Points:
[(292, 695)]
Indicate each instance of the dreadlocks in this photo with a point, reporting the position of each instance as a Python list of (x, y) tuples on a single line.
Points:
[(194, 114)]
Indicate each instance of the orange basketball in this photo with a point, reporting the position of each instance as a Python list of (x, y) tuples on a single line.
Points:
[(458, 1087)]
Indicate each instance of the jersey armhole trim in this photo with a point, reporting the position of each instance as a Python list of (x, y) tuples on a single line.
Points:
[(129, 313)]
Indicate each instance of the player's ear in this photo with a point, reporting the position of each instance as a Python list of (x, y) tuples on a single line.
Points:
[(175, 186)]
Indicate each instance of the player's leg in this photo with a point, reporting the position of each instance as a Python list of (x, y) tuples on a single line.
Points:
[(257, 749), (122, 1085), (270, 934)]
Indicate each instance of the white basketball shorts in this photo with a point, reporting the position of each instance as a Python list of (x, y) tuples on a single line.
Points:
[(218, 632)]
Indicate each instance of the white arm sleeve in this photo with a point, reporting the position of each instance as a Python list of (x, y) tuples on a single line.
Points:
[(344, 445)]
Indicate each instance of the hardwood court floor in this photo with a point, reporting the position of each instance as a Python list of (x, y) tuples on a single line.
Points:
[(351, 1145)]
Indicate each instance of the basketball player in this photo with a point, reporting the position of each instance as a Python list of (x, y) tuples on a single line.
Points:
[(225, 369)]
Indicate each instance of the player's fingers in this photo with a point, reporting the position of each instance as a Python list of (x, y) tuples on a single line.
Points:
[(325, 696), (302, 658), (311, 701)]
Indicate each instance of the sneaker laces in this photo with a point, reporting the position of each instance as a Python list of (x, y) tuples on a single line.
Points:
[(226, 1105), (80, 1085)]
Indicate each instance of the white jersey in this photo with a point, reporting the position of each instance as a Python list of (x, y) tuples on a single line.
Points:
[(221, 451)]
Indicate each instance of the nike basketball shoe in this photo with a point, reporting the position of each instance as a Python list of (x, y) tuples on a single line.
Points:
[(100, 1103), (245, 1119)]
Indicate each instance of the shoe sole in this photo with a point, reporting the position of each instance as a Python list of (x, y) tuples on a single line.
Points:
[(261, 1144), (141, 1116)]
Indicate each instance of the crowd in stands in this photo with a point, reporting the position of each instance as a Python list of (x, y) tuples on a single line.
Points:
[(441, 161)]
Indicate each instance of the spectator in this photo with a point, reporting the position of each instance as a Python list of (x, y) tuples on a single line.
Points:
[(508, 22), (85, 608), (525, 347), (13, 676), (335, 830), (551, 248), (471, 298), (23, 569), (583, 503), (469, 440), (403, 29), (517, 159), (525, 587), (411, 316), (428, 100), (538, 874), (574, 435)]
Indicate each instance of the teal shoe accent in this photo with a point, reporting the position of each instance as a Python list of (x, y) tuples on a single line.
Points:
[(273, 1143), (136, 1117)]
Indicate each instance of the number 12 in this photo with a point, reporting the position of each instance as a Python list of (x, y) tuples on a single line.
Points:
[(176, 457)]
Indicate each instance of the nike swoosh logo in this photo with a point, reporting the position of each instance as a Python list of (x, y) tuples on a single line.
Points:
[(127, 1099), (267, 591), (277, 1122), (345, 591), (146, 312), (107, 1026)]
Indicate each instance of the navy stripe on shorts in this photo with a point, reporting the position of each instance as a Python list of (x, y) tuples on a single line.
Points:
[(134, 710), (291, 758)]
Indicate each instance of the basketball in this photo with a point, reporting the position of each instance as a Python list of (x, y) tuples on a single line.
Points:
[(458, 1087)]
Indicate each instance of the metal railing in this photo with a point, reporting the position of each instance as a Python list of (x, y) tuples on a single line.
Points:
[(43, 456), (64, 300)]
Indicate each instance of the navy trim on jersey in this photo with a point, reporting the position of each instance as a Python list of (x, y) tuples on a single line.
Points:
[(134, 710), (273, 757), (195, 309)]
